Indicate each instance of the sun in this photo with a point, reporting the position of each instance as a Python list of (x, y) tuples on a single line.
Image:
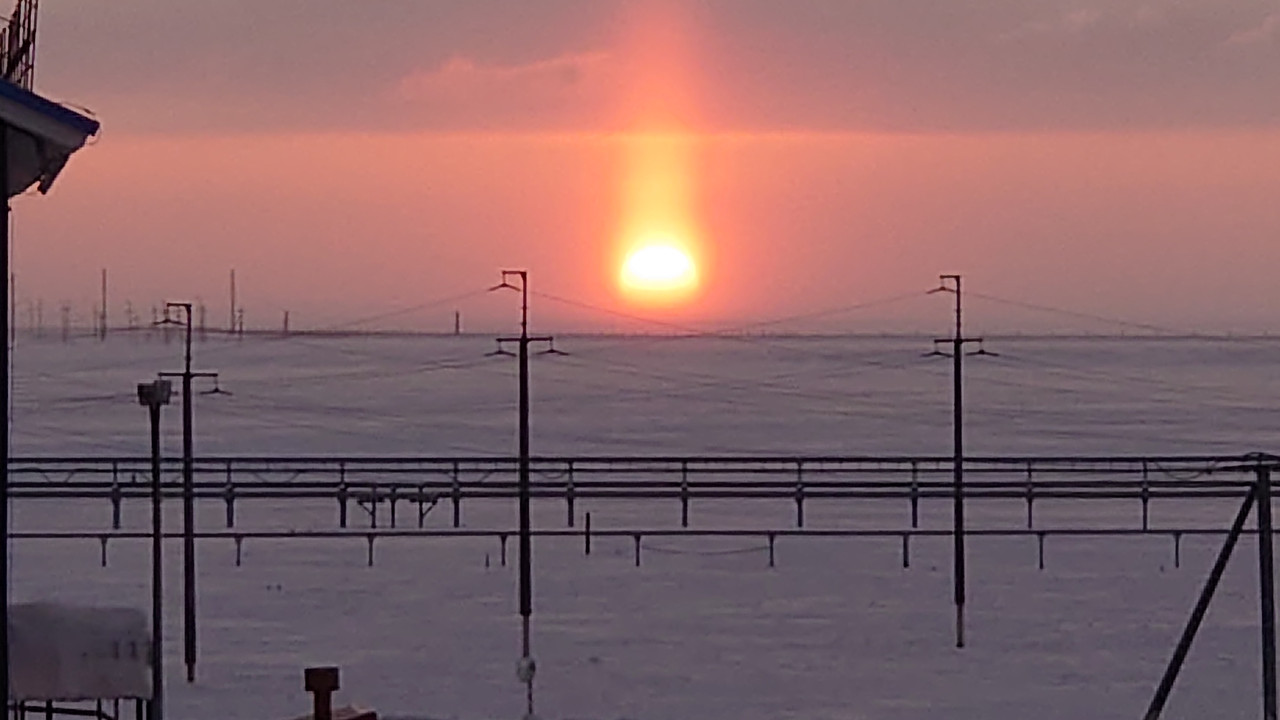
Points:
[(659, 271)]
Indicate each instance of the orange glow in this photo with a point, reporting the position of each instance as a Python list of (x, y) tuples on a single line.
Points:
[(659, 271), (659, 246), (658, 227)]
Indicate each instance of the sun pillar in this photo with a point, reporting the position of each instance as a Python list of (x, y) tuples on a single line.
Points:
[(659, 246)]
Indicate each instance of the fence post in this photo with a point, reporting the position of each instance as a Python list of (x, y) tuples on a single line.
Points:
[(799, 493), (391, 500), (229, 494), (457, 497), (569, 495), (684, 496), (1031, 493), (342, 495), (915, 495), (117, 496)]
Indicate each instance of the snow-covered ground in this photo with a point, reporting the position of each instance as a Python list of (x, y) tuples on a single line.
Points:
[(703, 629)]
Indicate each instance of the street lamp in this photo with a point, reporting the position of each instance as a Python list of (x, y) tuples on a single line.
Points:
[(153, 396)]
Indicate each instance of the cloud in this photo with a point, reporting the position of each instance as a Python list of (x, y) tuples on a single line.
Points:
[(570, 90), (759, 65), (460, 74), (1266, 31)]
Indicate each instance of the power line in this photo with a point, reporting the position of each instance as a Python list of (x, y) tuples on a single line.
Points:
[(732, 331), (1118, 322), (400, 312)]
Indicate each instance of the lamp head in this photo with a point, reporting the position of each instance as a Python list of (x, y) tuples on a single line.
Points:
[(154, 393)]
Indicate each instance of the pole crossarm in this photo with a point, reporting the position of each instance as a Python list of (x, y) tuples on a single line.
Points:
[(193, 374)]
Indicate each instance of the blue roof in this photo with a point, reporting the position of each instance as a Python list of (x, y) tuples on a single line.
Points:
[(40, 104)]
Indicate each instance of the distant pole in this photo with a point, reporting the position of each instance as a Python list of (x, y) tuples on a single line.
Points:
[(102, 323), (153, 396), (957, 353), (231, 324), (285, 327), (457, 322)]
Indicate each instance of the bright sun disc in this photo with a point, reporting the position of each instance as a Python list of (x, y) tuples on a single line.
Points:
[(659, 268)]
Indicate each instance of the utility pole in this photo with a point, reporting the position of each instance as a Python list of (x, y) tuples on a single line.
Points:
[(153, 396), (188, 486), (526, 668), (951, 284), (231, 324), (102, 318)]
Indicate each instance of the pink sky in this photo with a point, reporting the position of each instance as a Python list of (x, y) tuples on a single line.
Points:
[(1119, 158)]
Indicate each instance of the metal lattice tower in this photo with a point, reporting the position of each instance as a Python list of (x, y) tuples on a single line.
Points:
[(18, 44)]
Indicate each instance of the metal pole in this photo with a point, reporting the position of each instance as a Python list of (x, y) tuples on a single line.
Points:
[(957, 354), (1198, 612), (526, 545), (231, 324), (1266, 594), (188, 517), (157, 576), (102, 318), (4, 425)]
